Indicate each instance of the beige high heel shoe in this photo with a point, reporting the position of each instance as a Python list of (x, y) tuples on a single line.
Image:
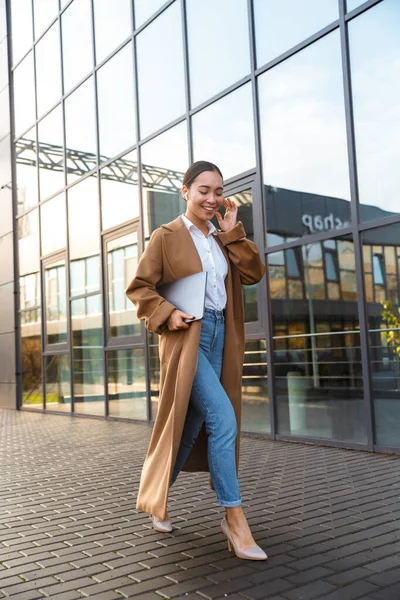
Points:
[(253, 553), (161, 526)]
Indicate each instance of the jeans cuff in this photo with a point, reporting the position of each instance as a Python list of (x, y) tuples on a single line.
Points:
[(229, 504)]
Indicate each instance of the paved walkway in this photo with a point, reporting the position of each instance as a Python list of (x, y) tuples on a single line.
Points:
[(328, 518)]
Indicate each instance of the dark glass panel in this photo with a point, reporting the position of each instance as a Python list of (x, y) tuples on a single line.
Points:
[(80, 131), (113, 24), (50, 151), (284, 24), (26, 165), (24, 95), (376, 102), (382, 281), (127, 384), (223, 133), (48, 70), (160, 71), (119, 191), (58, 387), (316, 343), (255, 399), (76, 22), (122, 259), (56, 302), (215, 66), (162, 173), (306, 180), (87, 342), (116, 104), (28, 243)]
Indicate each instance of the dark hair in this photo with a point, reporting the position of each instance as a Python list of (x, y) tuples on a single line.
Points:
[(196, 169)]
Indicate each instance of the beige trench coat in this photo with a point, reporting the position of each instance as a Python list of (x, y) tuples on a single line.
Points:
[(170, 255)]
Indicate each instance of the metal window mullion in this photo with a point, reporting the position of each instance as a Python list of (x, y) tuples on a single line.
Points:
[(361, 303), (186, 64)]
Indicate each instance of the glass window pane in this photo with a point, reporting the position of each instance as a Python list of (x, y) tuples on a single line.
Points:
[(28, 242), (164, 161), (113, 24), (119, 191), (145, 9), (317, 355), (53, 225), (26, 165), (116, 104), (376, 101), (223, 133), (56, 303), (24, 95), (160, 71), (284, 24), (306, 179), (84, 226), (58, 388), (81, 131), (22, 28), (127, 391), (214, 67), (51, 153), (48, 70), (45, 12), (76, 22), (255, 399), (31, 364), (383, 311), (122, 260), (87, 342)]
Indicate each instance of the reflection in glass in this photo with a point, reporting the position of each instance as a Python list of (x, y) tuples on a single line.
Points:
[(113, 24), (381, 252), (223, 133), (317, 356), (127, 384), (56, 303), (83, 219), (31, 351), (85, 275), (48, 70), (119, 191), (302, 106), (88, 355), (76, 23), (45, 12), (58, 388), (376, 100), (145, 9), (164, 161), (52, 225), (24, 95), (215, 66), (51, 153), (22, 33), (116, 104), (284, 24), (80, 131), (26, 159), (122, 260), (255, 406), (160, 71), (28, 242)]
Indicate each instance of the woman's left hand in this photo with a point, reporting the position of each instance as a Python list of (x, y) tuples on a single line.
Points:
[(228, 221)]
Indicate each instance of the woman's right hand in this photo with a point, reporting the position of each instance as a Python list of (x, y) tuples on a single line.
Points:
[(176, 321)]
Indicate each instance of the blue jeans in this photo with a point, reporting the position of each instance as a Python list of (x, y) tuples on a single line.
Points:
[(209, 403)]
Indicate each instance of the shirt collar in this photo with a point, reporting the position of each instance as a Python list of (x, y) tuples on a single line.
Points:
[(189, 225)]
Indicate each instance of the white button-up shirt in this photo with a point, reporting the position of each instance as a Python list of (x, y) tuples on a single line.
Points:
[(213, 261)]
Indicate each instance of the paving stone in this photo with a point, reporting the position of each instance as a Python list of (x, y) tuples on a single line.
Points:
[(317, 589), (357, 589)]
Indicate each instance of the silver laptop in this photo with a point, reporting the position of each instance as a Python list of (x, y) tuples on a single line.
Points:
[(187, 294)]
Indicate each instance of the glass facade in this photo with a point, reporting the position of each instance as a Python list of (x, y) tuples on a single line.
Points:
[(300, 112)]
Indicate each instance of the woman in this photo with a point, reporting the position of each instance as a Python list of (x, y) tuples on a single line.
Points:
[(201, 362)]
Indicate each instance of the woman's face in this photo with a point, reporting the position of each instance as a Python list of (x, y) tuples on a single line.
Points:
[(205, 196)]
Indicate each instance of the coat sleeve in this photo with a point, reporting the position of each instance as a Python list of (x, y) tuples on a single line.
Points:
[(243, 254), (150, 306)]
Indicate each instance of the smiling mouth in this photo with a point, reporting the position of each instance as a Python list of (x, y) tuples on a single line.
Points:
[(209, 208)]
